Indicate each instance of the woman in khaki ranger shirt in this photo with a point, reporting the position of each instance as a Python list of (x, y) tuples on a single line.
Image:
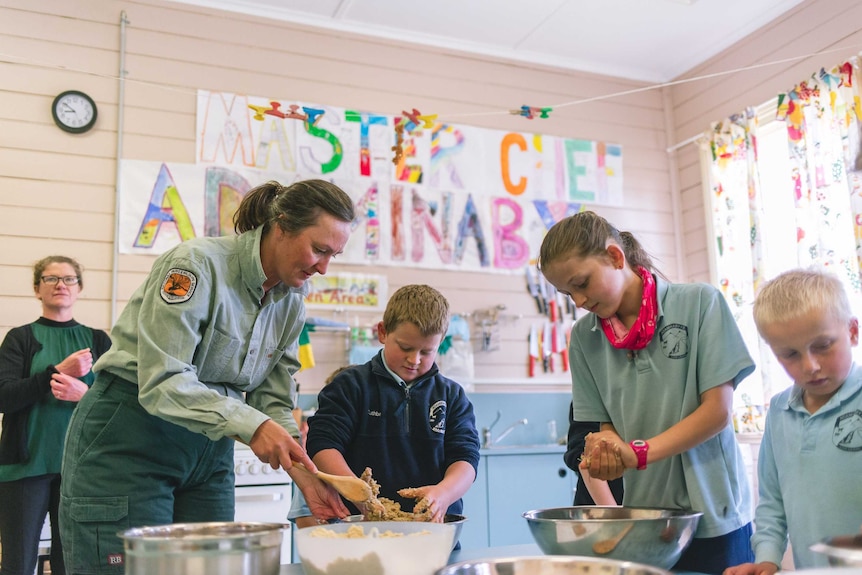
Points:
[(204, 351)]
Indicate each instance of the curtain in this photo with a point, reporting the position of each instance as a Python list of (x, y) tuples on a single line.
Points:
[(736, 213), (734, 184), (824, 194), (822, 119)]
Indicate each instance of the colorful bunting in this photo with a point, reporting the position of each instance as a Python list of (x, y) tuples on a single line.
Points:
[(531, 112), (417, 118), (311, 116), (399, 141), (306, 355)]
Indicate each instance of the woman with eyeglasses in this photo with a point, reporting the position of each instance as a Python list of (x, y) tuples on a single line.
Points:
[(45, 369)]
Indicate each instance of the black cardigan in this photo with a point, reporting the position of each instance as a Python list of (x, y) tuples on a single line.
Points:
[(19, 391), (577, 436)]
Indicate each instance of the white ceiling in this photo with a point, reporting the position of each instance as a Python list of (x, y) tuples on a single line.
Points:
[(647, 40)]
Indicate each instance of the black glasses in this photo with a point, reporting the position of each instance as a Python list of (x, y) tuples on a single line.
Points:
[(68, 280)]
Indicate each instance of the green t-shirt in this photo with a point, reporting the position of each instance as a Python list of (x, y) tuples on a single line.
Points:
[(49, 418)]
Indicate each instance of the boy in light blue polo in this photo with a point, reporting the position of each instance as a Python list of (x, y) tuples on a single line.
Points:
[(813, 436)]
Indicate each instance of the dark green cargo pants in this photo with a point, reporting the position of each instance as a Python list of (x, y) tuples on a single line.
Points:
[(123, 467)]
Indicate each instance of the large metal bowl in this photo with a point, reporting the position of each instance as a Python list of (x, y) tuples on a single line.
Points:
[(650, 536), (842, 550), (241, 548), (550, 565)]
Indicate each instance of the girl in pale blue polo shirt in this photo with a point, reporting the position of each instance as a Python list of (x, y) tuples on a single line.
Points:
[(656, 363)]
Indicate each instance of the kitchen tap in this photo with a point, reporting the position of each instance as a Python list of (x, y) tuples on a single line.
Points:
[(486, 431), (487, 440)]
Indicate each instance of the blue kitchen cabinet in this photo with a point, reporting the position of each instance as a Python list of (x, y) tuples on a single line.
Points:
[(522, 482), (474, 533)]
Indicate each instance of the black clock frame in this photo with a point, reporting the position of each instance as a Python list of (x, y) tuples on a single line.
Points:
[(79, 130)]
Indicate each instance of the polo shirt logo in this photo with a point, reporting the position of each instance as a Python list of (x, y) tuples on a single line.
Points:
[(674, 340), (437, 417), (847, 435)]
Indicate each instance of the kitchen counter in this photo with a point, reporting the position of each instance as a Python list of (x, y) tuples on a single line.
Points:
[(523, 449), (527, 550)]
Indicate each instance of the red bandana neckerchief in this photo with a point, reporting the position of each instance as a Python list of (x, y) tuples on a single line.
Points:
[(643, 329)]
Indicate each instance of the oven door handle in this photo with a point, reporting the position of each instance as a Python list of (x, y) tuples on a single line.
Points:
[(263, 497)]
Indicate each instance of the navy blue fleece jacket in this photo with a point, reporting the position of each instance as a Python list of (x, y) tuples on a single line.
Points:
[(407, 436)]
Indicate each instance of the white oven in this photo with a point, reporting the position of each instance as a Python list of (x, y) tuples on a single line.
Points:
[(262, 494)]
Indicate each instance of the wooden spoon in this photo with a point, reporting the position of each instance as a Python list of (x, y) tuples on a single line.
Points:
[(605, 546), (352, 488)]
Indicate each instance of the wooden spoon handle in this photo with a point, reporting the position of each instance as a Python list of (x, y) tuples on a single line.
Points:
[(350, 487), (607, 545)]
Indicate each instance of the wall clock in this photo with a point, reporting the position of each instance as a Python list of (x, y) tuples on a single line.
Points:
[(74, 111)]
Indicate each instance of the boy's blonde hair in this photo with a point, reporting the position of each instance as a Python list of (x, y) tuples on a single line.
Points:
[(797, 292), (421, 305), (336, 371)]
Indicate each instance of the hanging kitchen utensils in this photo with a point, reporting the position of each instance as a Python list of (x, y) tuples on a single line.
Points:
[(559, 334), (532, 275), (533, 350), (489, 320), (563, 347)]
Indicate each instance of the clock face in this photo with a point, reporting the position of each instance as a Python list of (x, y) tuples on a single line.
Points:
[(74, 111)]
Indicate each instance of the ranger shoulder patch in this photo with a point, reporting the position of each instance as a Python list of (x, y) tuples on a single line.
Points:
[(178, 286)]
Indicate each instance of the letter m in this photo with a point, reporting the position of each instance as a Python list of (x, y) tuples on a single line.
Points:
[(224, 127)]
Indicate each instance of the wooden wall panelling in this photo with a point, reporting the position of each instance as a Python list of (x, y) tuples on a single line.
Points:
[(173, 50)]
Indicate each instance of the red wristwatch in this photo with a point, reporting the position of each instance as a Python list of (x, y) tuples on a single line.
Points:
[(640, 447)]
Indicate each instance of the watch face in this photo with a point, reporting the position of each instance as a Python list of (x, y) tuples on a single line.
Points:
[(74, 111)]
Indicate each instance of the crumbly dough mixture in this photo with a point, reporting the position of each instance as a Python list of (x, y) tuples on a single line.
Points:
[(384, 509), (358, 532)]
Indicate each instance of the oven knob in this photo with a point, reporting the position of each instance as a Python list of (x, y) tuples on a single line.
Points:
[(267, 470), (240, 469), (254, 468)]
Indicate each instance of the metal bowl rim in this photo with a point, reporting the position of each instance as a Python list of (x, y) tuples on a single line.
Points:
[(826, 547), (674, 514), (558, 559), (160, 533)]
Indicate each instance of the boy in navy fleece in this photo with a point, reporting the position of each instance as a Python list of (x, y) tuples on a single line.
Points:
[(398, 415)]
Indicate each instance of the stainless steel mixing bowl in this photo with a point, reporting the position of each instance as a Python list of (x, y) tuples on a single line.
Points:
[(550, 565), (842, 550), (650, 536), (240, 548)]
